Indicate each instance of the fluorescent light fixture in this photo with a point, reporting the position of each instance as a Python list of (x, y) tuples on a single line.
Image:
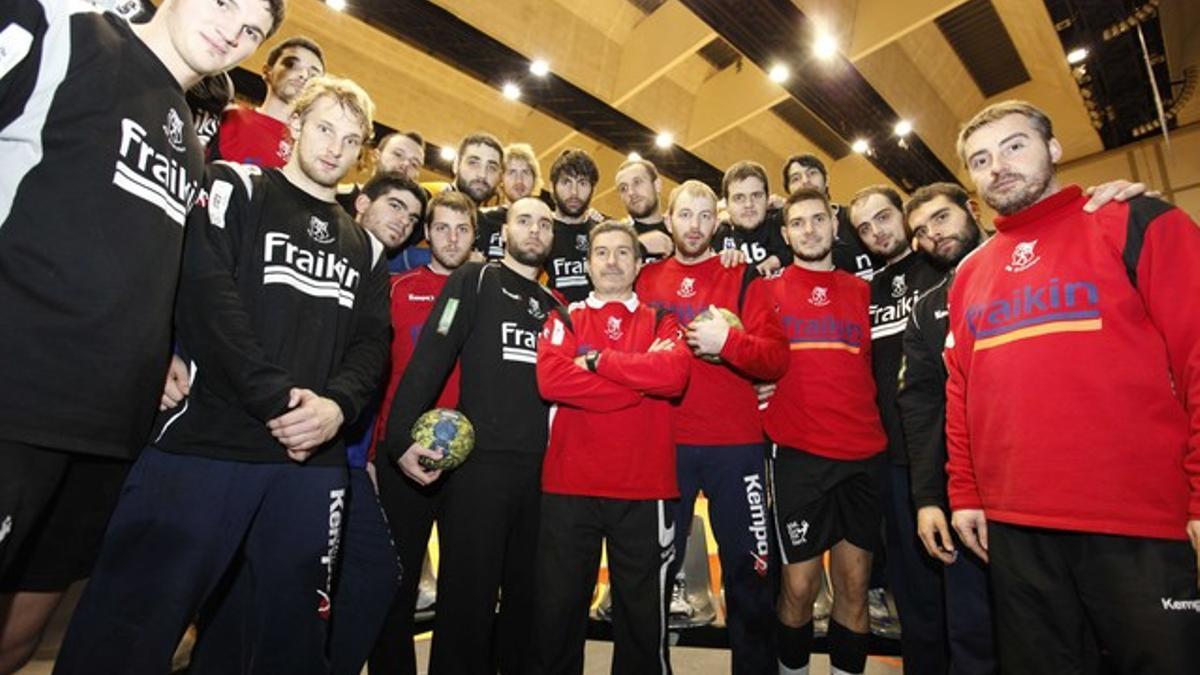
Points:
[(448, 153), (511, 91), (779, 73), (860, 146), (1076, 56), (337, 5), (665, 139), (633, 157), (539, 67), (903, 128)]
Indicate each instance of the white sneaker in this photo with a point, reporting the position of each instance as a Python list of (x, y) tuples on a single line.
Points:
[(680, 606)]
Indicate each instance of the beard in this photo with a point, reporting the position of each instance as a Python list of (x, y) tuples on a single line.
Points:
[(527, 257), (450, 262), (968, 242), (650, 206), (478, 190), (1028, 191), (817, 256), (572, 212), (313, 169)]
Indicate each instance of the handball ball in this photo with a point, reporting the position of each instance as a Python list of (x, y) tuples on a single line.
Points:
[(445, 431), (730, 318)]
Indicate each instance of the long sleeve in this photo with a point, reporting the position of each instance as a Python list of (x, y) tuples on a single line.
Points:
[(1168, 280), (760, 350), (961, 487), (922, 403), (25, 24), (364, 365), (663, 374), (437, 351), (561, 381), (776, 244), (214, 325)]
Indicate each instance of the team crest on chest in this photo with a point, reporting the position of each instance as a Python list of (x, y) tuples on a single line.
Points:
[(687, 288), (319, 231), (613, 328), (535, 310), (1023, 257), (899, 286), (819, 296), (285, 149), (174, 130), (581, 243)]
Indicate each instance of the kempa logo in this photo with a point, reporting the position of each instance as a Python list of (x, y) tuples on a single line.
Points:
[(1181, 605), (756, 498), (1023, 257), (337, 504)]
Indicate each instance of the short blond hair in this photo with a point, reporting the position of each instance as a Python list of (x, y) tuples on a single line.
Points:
[(346, 93), (998, 111), (524, 152), (691, 188)]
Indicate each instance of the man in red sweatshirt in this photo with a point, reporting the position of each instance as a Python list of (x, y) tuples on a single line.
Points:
[(828, 466), (718, 433), (1072, 424), (610, 366)]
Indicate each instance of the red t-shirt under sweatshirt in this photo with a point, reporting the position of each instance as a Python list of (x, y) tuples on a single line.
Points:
[(1073, 400), (720, 406), (413, 295), (610, 431), (825, 404), (247, 136)]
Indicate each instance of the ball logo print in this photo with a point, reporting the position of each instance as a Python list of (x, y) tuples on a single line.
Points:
[(446, 431), (1023, 257)]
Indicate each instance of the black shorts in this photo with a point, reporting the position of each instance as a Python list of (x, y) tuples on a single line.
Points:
[(65, 542), (821, 501)]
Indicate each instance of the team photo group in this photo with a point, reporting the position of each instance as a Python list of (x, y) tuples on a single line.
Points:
[(240, 389)]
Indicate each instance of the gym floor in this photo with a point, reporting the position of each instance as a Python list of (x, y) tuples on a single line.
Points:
[(597, 661)]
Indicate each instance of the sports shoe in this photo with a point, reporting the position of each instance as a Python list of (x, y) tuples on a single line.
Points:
[(680, 606)]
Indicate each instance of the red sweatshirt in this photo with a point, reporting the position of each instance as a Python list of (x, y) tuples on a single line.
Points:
[(247, 136), (720, 406), (1073, 400), (610, 431), (413, 295), (826, 403)]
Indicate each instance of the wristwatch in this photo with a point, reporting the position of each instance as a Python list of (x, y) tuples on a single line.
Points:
[(591, 359)]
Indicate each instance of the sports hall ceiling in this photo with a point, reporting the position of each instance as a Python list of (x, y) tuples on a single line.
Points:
[(622, 71)]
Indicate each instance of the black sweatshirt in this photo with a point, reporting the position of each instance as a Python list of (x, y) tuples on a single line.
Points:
[(487, 319), (98, 168), (849, 254), (922, 397), (279, 289), (757, 244), (565, 270), (894, 292), (488, 222)]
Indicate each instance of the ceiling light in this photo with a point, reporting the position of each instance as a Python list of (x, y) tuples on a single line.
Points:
[(339, 5), (448, 153), (511, 91), (779, 73), (903, 128), (826, 46), (664, 139), (539, 67), (1077, 56), (860, 146), (633, 157)]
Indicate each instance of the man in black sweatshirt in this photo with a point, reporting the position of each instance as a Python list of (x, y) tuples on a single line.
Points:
[(487, 319), (100, 167), (283, 319), (753, 228)]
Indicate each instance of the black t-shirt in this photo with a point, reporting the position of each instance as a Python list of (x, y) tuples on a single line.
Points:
[(100, 168), (565, 269), (757, 244), (849, 254), (644, 228)]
